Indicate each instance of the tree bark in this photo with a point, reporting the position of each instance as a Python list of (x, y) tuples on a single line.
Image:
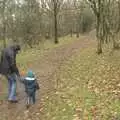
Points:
[(55, 23), (4, 25), (99, 46), (4, 34)]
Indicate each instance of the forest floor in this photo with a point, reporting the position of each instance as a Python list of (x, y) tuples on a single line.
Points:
[(75, 83)]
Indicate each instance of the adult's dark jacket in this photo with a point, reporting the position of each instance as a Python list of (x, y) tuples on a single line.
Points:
[(8, 60)]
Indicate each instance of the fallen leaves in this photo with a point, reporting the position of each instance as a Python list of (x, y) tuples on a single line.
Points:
[(26, 114), (88, 86), (95, 75)]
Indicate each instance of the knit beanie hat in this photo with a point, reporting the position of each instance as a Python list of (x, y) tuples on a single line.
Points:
[(30, 74)]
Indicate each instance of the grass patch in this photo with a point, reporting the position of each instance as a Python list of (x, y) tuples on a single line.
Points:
[(29, 56), (88, 88)]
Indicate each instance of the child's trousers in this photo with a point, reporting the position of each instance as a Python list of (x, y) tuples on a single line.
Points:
[(31, 99)]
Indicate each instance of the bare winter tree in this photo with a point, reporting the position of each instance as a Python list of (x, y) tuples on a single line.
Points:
[(84, 17), (29, 21), (114, 22), (54, 7), (97, 7), (107, 14), (3, 4)]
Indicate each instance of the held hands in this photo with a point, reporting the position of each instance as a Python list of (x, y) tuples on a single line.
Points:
[(20, 79)]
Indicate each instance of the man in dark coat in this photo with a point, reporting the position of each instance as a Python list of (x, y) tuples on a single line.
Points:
[(9, 69)]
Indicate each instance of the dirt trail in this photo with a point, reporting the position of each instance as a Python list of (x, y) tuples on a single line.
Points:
[(45, 69)]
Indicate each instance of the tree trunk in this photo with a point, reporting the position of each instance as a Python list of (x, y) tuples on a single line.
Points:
[(98, 30), (77, 29), (55, 24), (77, 34), (4, 25), (4, 35), (99, 48)]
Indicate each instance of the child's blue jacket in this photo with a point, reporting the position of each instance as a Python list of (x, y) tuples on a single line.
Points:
[(30, 85)]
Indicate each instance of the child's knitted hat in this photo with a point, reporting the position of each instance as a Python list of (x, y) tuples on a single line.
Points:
[(30, 74)]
